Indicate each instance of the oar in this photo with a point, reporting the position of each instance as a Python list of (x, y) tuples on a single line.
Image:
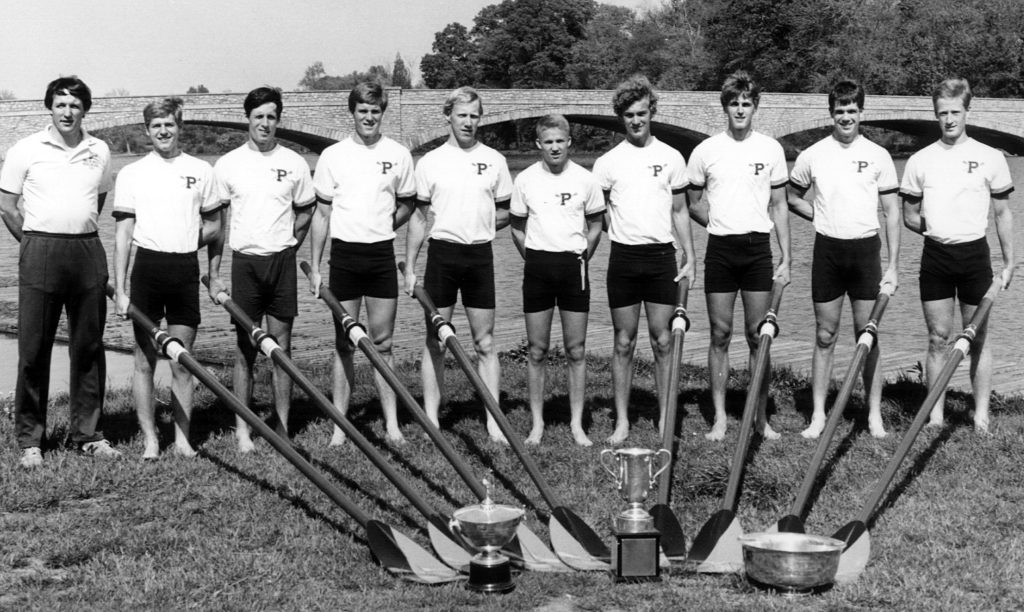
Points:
[(673, 542), (531, 549), (396, 552), (855, 533), (793, 522), (448, 547), (573, 540), (716, 549)]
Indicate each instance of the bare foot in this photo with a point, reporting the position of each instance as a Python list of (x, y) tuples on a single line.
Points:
[(935, 422), (769, 433), (394, 435), (338, 438), (152, 451), (245, 444), (619, 435), (535, 435), (876, 428), (717, 432), (815, 428), (981, 424), (184, 450), (495, 433), (936, 417), (580, 437)]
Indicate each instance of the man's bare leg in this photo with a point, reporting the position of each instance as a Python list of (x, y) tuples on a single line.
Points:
[(938, 316), (343, 373), (720, 311), (574, 337), (625, 322), (659, 321), (981, 372), (145, 402), (827, 316), (872, 374), (538, 338), (281, 329), (182, 388), (755, 305), (481, 324), (245, 357)]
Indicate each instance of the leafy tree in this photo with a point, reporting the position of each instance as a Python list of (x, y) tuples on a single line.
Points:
[(198, 89), (453, 62), (400, 76), (597, 60), (117, 92)]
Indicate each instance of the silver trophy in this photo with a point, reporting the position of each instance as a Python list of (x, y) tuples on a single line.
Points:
[(488, 527), (635, 474)]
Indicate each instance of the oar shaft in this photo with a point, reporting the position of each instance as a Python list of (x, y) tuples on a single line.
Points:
[(491, 404), (960, 349), (349, 324), (864, 345), (680, 324), (281, 359), (176, 351)]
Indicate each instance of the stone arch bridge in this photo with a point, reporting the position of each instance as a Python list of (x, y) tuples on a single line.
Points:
[(318, 118)]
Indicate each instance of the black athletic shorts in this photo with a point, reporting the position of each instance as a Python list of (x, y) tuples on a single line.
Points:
[(551, 279), (165, 286), (738, 262), (453, 267), (961, 270), (843, 267), (641, 273), (265, 284), (363, 269)]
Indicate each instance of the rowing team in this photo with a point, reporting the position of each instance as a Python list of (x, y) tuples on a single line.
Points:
[(642, 192)]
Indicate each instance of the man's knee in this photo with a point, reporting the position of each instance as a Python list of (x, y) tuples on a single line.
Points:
[(825, 337), (484, 345), (575, 352), (661, 342), (721, 336), (624, 343), (537, 352)]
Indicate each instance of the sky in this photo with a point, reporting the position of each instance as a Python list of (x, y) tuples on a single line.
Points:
[(150, 47)]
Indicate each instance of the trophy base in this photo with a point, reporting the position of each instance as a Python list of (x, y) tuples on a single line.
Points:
[(634, 520), (490, 575), (635, 558)]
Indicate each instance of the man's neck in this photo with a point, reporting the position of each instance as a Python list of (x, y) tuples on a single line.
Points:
[(70, 140), (266, 147)]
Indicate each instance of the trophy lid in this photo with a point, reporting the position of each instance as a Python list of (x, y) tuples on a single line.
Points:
[(487, 511)]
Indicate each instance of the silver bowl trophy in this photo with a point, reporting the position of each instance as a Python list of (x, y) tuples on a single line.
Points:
[(488, 527), (637, 542), (791, 563)]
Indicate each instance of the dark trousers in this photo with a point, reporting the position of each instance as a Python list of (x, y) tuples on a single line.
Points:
[(57, 272)]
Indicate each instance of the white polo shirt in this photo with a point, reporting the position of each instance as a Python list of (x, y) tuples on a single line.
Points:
[(957, 183), (361, 183), (462, 186), (640, 182), (557, 206), (738, 177), (167, 198), (60, 185), (263, 189), (847, 180)]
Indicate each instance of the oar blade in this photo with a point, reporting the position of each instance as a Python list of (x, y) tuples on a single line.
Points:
[(582, 533), (535, 555), (790, 523), (717, 549), (402, 556), (673, 541), (447, 547), (854, 558), (572, 552)]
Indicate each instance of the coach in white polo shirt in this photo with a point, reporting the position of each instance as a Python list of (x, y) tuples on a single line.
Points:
[(643, 180), (947, 190), (63, 174), (557, 207), (166, 207), (468, 187), (269, 191), (365, 189), (742, 177), (851, 175)]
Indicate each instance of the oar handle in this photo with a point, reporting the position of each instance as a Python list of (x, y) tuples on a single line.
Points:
[(960, 349), (280, 358), (864, 343), (680, 325), (359, 339), (173, 348), (447, 335), (769, 325)]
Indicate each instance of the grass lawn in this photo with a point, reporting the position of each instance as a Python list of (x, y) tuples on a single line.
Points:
[(231, 532)]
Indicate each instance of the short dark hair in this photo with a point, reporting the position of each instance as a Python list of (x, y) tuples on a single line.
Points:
[(552, 122), (846, 92), (953, 88), (631, 91), (368, 92), (168, 107), (71, 86), (262, 95), (739, 84)]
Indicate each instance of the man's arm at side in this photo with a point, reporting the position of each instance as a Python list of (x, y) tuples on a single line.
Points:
[(403, 210), (891, 213), (303, 218), (684, 237), (912, 217), (414, 237), (214, 254), (518, 230), (697, 206), (780, 217), (12, 216), (1004, 230), (321, 226), (123, 232), (594, 227), (797, 204), (501, 214)]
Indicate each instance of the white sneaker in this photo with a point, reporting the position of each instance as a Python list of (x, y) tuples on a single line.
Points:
[(100, 448), (31, 457)]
